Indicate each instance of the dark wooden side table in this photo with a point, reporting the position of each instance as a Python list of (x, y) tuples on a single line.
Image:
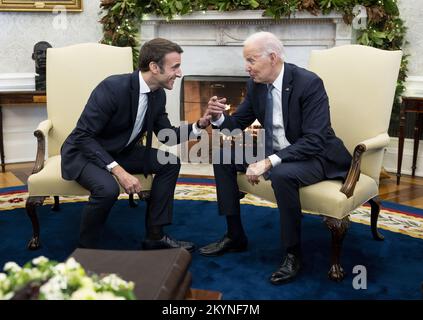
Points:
[(410, 104), (17, 98)]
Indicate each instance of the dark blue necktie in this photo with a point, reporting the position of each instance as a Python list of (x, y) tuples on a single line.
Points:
[(268, 122)]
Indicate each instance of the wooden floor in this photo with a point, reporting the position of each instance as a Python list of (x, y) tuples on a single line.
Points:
[(409, 192)]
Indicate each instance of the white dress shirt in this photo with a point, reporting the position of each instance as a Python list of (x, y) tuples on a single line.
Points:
[(279, 138)]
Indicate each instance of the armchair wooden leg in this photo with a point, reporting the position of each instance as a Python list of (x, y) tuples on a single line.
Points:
[(31, 210), (132, 202), (56, 206), (374, 215), (338, 228)]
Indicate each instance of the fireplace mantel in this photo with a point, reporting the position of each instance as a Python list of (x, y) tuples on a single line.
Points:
[(237, 15), (231, 28)]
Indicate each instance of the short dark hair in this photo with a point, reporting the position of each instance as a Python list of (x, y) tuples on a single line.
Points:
[(154, 51)]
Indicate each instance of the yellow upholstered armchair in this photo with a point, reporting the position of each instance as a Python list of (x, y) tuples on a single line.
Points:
[(72, 73), (360, 82)]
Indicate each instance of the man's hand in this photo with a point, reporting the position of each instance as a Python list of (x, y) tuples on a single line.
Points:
[(216, 107), (255, 170), (204, 121), (128, 182)]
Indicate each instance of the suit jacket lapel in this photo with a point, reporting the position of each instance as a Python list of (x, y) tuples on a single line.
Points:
[(286, 92)]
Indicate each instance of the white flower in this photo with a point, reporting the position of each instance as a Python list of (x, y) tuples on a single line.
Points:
[(59, 269), (52, 289), (11, 267), (4, 283), (32, 273), (84, 294), (71, 264), (87, 283), (39, 261), (117, 283), (6, 296)]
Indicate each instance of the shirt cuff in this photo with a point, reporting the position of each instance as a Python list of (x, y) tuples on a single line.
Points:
[(112, 165), (275, 160), (219, 121), (196, 130)]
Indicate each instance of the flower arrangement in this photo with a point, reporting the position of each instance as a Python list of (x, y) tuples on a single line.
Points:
[(45, 279)]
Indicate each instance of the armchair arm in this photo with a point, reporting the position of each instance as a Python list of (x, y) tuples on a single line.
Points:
[(378, 142), (40, 133)]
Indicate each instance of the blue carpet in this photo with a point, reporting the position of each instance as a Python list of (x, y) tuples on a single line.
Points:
[(394, 266)]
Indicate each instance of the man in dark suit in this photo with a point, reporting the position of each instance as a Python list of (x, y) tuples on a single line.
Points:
[(300, 146), (104, 150)]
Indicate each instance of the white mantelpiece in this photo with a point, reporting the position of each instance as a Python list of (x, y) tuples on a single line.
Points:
[(231, 28), (212, 40), (213, 28)]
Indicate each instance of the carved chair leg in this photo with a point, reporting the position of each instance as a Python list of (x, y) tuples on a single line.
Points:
[(31, 210), (132, 202), (338, 228), (56, 206), (374, 215)]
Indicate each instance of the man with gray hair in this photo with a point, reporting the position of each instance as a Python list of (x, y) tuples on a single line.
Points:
[(300, 146)]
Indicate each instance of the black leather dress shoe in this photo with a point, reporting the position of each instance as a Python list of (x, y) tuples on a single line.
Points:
[(225, 244), (287, 271), (167, 243)]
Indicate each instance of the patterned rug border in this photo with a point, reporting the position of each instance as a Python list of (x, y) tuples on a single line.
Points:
[(389, 219)]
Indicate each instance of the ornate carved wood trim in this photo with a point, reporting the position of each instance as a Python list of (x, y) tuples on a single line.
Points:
[(354, 171), (31, 210), (41, 151), (338, 228)]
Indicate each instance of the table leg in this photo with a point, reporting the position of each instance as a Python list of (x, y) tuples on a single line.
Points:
[(400, 143), (417, 134), (1, 141)]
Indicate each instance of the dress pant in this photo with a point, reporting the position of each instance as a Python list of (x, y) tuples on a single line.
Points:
[(286, 179), (105, 190)]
